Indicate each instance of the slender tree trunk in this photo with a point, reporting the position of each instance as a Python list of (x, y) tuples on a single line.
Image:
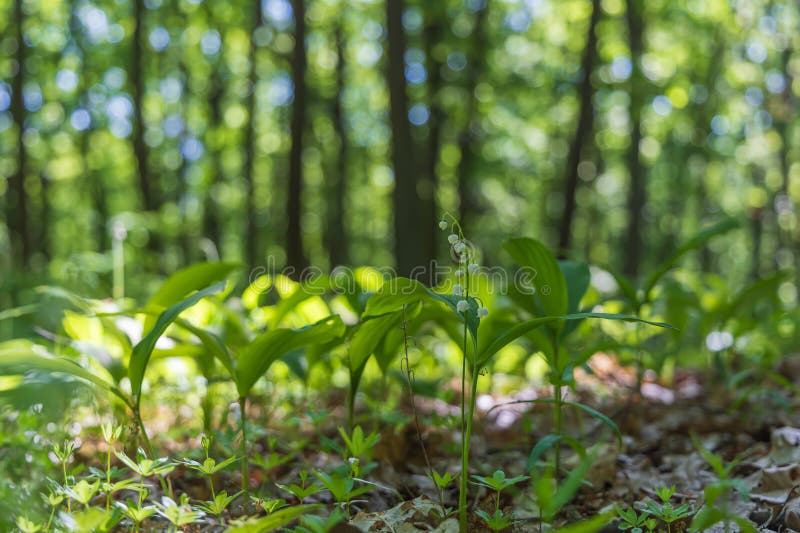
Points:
[(141, 152), (467, 137), (782, 201), (17, 203), (94, 183), (413, 245), (295, 257), (336, 235), (212, 222), (637, 193), (583, 131), (436, 16), (704, 114), (251, 236)]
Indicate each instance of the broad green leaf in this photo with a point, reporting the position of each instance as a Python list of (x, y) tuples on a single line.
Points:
[(699, 239), (512, 334), (393, 295), (397, 292), (522, 328), (545, 277), (763, 287), (141, 352), (256, 358), (184, 282), (542, 445), (18, 359), (211, 343), (577, 277), (276, 520), (368, 336)]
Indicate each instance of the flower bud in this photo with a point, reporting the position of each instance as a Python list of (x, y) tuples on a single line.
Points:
[(452, 238), (443, 225), (483, 312)]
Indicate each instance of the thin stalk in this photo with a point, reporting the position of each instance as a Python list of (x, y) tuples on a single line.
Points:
[(466, 428), (50, 518), (351, 402), (108, 477), (410, 381), (118, 255), (557, 405), (66, 483), (245, 472), (462, 488)]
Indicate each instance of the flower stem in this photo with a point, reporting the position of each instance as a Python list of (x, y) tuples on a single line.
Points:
[(245, 472)]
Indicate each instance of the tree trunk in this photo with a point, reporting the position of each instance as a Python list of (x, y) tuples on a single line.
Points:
[(140, 150), (212, 222), (250, 232), (583, 131), (17, 203), (637, 193), (467, 137), (295, 257), (435, 17), (336, 235), (413, 245)]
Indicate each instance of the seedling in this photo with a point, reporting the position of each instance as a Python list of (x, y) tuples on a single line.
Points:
[(82, 492), (135, 511), (63, 454), (342, 488), (178, 514), (718, 495), (28, 526), (319, 524), (304, 489), (498, 483), (442, 482), (111, 434), (635, 522), (271, 505)]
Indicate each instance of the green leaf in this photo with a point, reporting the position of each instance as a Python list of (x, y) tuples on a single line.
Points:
[(598, 415), (368, 335), (256, 358), (544, 444), (393, 295), (398, 292), (591, 525), (142, 351), (512, 334), (18, 311), (184, 282), (577, 277), (211, 342), (569, 487), (546, 276), (18, 359), (695, 242)]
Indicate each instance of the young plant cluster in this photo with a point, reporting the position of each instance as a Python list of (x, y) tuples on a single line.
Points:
[(234, 341)]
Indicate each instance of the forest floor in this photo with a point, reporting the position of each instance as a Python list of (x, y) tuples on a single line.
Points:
[(754, 425)]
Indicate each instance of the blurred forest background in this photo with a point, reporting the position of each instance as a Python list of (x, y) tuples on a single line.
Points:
[(335, 132)]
